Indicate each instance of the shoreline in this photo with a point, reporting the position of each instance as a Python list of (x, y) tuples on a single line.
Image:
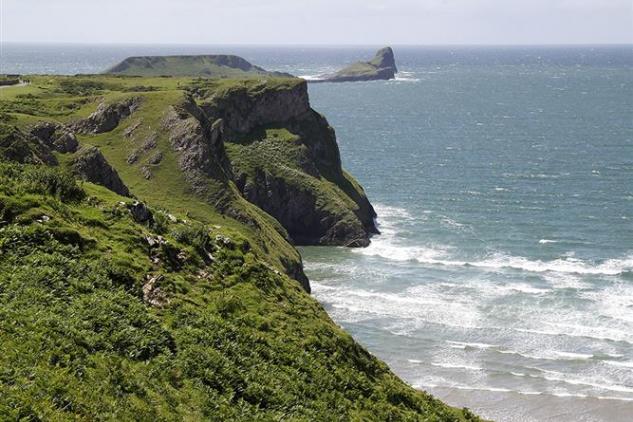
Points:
[(511, 406)]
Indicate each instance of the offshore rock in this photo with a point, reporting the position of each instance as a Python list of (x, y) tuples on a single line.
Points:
[(381, 67)]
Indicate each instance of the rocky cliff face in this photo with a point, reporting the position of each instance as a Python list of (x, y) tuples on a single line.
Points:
[(36, 144), (21, 147), (246, 107), (107, 116), (252, 150), (285, 160), (199, 144), (55, 136)]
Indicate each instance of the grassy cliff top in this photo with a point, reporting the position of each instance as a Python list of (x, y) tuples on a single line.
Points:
[(106, 318), (66, 99), (184, 316), (208, 66)]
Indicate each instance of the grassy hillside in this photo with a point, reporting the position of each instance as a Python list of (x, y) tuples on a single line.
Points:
[(67, 99), (97, 324), (207, 66), (109, 312)]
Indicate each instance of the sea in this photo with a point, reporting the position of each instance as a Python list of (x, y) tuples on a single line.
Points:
[(502, 279)]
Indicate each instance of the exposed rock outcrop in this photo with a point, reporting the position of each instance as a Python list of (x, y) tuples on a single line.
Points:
[(55, 136), (381, 67), (244, 107), (15, 145), (152, 293), (298, 180), (91, 165), (199, 144), (107, 116)]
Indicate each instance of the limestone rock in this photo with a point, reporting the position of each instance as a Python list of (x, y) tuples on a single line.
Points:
[(55, 136), (107, 116), (297, 186), (156, 158), (244, 108), (91, 165), (15, 145), (152, 293), (146, 171), (199, 144)]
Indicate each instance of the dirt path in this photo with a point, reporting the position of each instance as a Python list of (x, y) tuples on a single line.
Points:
[(22, 83)]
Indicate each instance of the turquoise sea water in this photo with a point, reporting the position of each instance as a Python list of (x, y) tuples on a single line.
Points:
[(505, 265), (503, 182)]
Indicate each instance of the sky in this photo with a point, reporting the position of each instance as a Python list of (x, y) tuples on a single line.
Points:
[(322, 22)]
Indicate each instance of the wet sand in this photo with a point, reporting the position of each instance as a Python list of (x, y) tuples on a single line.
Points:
[(514, 407)]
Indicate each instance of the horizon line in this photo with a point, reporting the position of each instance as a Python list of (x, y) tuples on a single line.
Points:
[(315, 45)]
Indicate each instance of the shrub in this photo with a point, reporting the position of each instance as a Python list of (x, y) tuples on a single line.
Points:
[(45, 180)]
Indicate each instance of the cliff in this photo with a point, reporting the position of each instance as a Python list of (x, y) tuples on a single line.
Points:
[(286, 161), (186, 300), (212, 146), (206, 66), (381, 67)]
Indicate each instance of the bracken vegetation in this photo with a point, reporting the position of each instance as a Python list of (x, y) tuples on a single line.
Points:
[(168, 309)]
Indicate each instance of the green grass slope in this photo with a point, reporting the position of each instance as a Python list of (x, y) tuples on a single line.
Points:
[(98, 323), (67, 99)]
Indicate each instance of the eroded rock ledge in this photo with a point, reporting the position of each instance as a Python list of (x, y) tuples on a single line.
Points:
[(107, 116), (285, 159), (90, 164)]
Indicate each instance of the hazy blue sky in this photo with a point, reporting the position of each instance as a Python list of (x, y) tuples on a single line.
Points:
[(319, 21)]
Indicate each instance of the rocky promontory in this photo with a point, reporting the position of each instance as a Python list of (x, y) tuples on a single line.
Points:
[(381, 67), (185, 300), (285, 159)]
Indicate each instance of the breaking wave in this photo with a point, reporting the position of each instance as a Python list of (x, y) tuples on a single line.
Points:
[(388, 246)]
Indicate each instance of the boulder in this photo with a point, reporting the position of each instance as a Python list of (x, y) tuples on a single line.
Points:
[(140, 212)]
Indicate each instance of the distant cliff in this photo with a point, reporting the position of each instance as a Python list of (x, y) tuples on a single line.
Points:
[(206, 66), (381, 67)]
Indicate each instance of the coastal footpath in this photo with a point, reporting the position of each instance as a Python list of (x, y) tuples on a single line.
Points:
[(147, 260)]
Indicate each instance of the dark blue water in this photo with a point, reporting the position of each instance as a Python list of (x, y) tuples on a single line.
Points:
[(503, 180)]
